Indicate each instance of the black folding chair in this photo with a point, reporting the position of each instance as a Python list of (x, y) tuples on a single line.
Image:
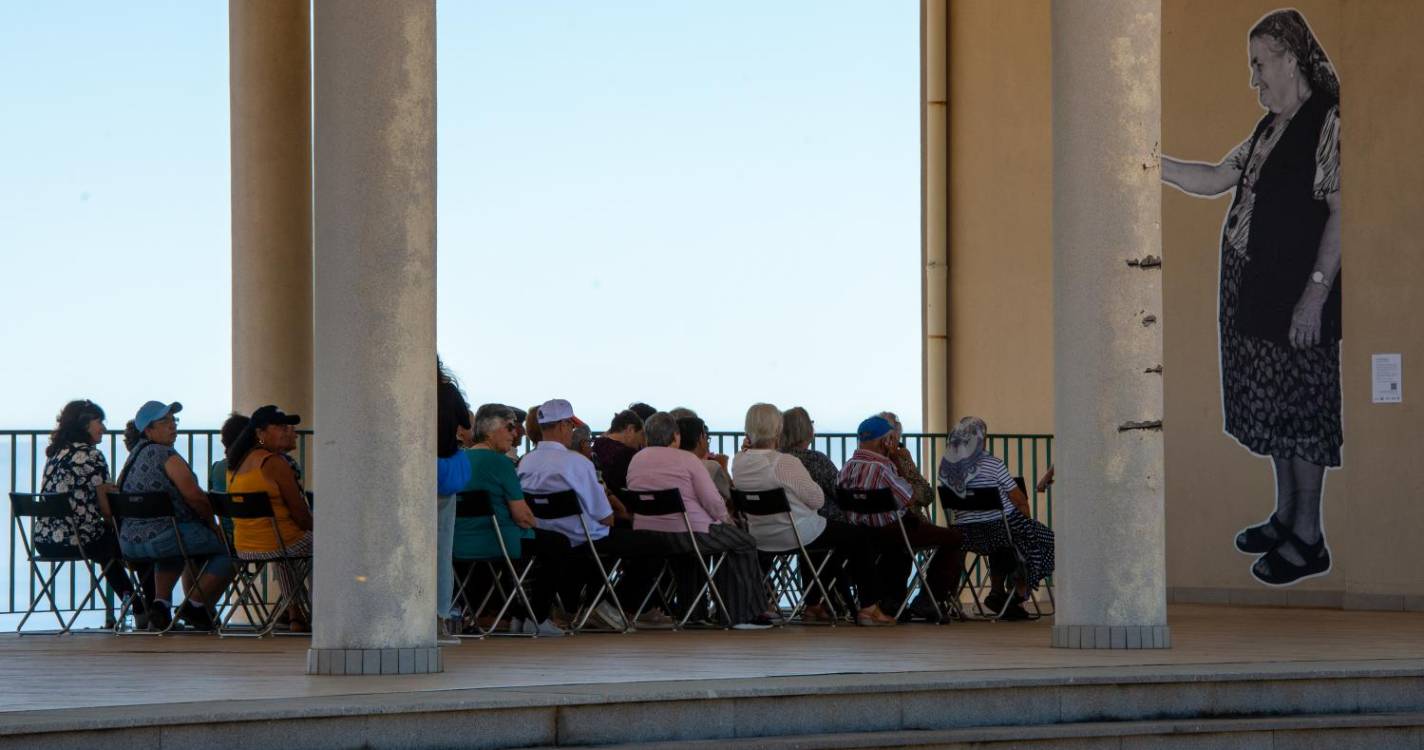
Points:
[(882, 500), (783, 579), (475, 504), (56, 506), (261, 616), (565, 504), (987, 499), (669, 503), (130, 506)]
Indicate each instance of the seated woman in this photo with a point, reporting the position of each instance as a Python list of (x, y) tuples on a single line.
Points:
[(762, 467), (491, 470), (966, 466), (663, 465), (74, 464), (257, 463), (453, 424), (154, 466), (692, 432)]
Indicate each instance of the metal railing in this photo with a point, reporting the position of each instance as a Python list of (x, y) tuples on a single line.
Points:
[(22, 459)]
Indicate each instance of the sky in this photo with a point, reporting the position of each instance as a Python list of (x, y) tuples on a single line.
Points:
[(723, 198)]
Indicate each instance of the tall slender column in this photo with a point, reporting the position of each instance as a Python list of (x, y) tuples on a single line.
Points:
[(374, 582), (269, 50), (1106, 210), (934, 214)]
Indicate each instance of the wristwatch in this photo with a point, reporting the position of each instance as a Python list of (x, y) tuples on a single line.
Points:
[(1316, 277)]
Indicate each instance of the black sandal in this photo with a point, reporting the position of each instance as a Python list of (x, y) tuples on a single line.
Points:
[(1253, 540), (1273, 569)]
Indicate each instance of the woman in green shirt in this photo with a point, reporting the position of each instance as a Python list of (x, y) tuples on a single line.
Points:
[(492, 471)]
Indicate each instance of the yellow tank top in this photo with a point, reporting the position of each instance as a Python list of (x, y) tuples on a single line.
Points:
[(255, 534)]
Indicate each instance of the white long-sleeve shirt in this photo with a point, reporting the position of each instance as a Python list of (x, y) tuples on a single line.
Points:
[(765, 469)]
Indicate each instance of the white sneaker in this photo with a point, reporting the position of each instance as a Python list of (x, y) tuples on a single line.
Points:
[(751, 626), (545, 629), (608, 616)]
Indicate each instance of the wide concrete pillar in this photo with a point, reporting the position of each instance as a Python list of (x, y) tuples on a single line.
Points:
[(934, 218), (374, 582), (269, 50), (1107, 211)]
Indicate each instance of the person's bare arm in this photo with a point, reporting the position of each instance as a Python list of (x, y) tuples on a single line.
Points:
[(182, 478), (1200, 178), (1305, 321), (1020, 501), (102, 493), (281, 474), (521, 515)]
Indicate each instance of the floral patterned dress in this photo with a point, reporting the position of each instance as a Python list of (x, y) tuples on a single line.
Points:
[(79, 469), (1277, 400)]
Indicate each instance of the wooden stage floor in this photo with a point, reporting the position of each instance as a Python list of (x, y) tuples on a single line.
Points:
[(42, 673)]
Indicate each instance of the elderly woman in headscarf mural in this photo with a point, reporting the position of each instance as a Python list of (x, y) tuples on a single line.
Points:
[(1279, 304), (968, 465)]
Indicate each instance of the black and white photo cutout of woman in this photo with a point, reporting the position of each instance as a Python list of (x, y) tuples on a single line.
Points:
[(1278, 303)]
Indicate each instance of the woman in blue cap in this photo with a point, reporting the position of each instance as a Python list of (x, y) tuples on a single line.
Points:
[(154, 466)]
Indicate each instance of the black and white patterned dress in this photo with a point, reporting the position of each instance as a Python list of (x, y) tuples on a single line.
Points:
[(79, 469), (1277, 400)]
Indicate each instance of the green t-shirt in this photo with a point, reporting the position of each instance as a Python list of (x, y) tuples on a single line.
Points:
[(494, 473)]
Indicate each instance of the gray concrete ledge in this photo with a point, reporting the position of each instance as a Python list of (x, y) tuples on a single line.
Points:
[(624, 712), (1112, 636), (373, 661)]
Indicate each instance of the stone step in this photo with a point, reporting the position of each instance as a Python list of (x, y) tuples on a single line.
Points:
[(1336, 731)]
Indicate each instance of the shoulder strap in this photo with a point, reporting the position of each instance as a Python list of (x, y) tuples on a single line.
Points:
[(128, 462)]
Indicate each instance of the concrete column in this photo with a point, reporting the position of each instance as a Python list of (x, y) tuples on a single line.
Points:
[(269, 43), (934, 212), (1106, 211), (374, 582)]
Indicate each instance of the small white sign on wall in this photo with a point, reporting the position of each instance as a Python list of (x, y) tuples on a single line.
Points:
[(1387, 375)]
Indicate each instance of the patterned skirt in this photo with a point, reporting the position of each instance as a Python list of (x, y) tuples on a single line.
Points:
[(1033, 540), (1276, 400)]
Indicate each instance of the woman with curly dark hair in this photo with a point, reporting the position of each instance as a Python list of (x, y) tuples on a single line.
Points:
[(75, 465)]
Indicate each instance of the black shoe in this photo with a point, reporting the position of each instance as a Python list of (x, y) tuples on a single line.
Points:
[(159, 617), (923, 609), (1016, 612), (1273, 569), (1263, 537), (196, 617), (995, 601)]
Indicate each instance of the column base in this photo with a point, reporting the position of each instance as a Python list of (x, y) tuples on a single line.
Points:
[(374, 661), (1112, 636)]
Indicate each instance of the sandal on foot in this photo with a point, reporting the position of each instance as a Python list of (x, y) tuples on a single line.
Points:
[(1258, 539), (1273, 569)]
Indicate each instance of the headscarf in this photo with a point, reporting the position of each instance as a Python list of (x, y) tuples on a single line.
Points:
[(1289, 29), (961, 459)]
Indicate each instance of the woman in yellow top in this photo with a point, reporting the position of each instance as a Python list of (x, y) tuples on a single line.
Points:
[(257, 462)]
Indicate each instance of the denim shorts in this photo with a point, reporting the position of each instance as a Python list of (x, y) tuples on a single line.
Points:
[(201, 544)]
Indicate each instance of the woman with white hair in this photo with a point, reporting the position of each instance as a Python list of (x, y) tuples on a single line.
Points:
[(968, 466), (762, 466)]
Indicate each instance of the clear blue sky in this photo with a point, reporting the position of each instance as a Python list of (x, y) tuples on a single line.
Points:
[(726, 196)]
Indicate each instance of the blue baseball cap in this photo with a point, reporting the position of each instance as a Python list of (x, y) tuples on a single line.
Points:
[(872, 428), (153, 411)]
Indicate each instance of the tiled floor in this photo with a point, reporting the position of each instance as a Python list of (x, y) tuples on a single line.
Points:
[(47, 672)]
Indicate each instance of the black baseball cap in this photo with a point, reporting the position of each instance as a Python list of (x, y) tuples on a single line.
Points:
[(270, 415)]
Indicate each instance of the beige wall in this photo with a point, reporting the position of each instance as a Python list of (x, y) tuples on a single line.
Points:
[(1000, 238), (1214, 487), (1000, 277)]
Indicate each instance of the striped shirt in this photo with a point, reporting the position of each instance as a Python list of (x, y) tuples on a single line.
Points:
[(990, 473), (866, 470)]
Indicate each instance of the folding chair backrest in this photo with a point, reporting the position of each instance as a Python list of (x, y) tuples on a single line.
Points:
[(141, 505), (552, 505), (244, 505), (47, 505), (762, 502), (653, 502), (867, 502), (975, 499), (473, 504)]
